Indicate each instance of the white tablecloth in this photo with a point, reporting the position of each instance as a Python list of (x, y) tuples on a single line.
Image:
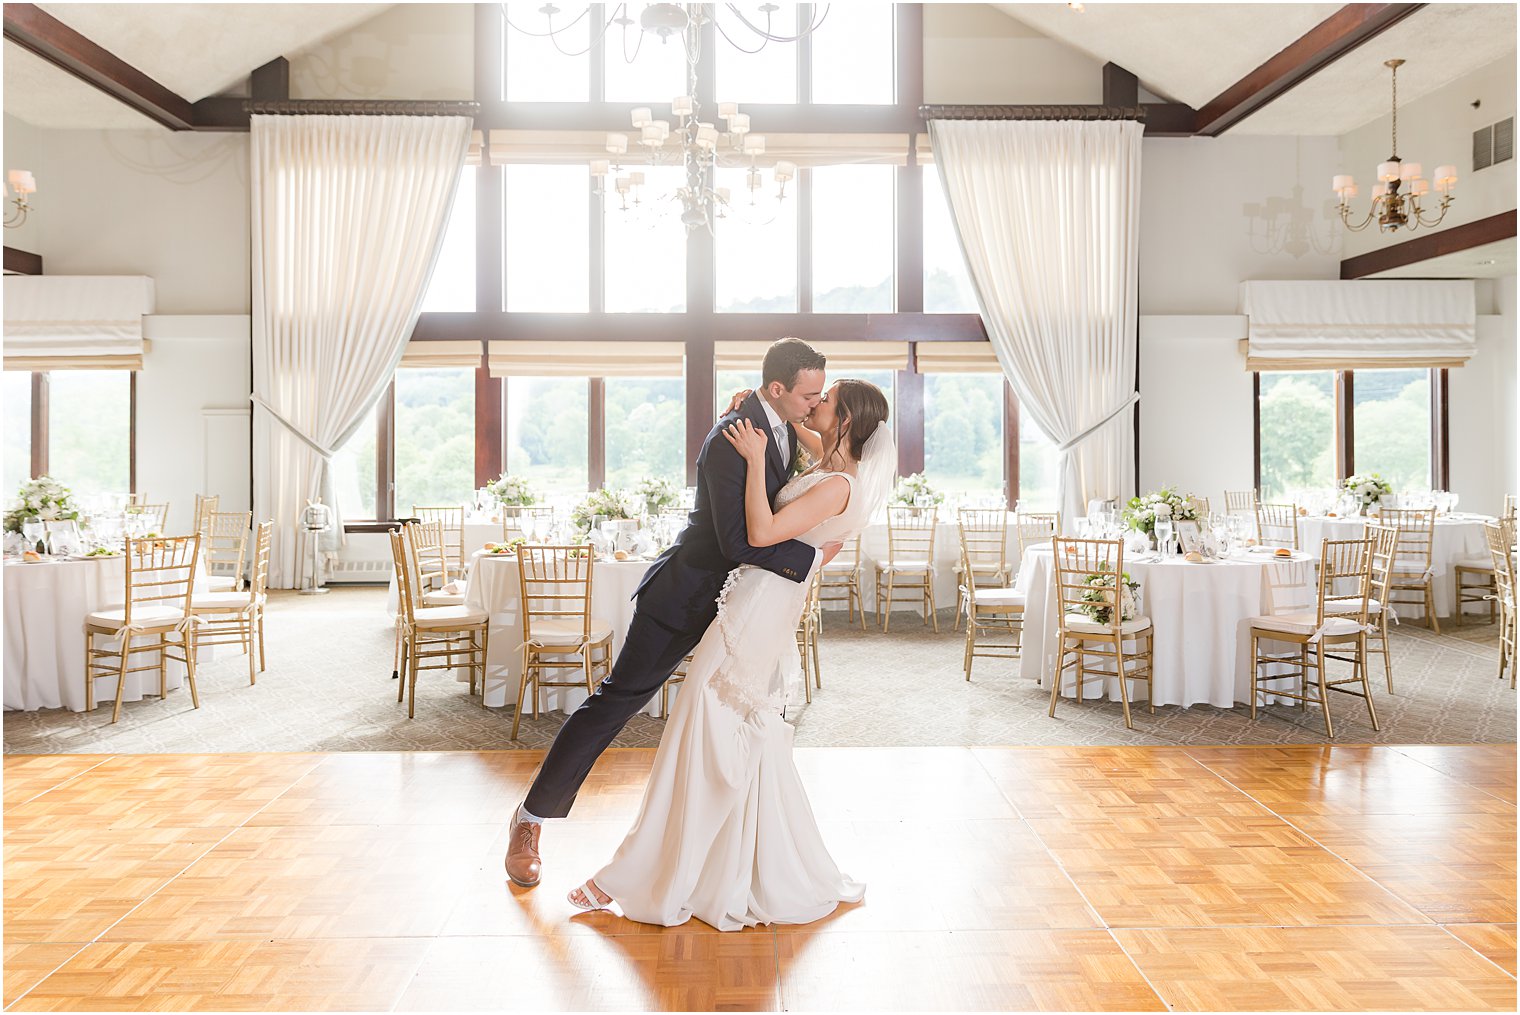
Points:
[(1455, 540), (494, 587), (1201, 644), (45, 607)]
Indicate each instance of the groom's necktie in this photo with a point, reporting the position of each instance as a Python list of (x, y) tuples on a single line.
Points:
[(781, 441)]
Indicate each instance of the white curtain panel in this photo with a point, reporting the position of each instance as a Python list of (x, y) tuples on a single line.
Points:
[(1048, 214), (348, 215)]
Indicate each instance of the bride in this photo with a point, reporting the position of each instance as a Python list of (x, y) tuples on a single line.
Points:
[(725, 832)]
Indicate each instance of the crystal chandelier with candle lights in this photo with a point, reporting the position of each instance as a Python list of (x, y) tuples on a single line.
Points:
[(694, 140), (1392, 209)]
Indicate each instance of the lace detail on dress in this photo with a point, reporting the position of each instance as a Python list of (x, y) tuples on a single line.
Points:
[(736, 685)]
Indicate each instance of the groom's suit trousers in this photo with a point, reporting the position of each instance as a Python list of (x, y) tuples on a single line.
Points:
[(651, 652)]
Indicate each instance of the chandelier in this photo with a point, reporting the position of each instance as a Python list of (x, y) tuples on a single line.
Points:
[(22, 183), (1394, 210), (691, 139)]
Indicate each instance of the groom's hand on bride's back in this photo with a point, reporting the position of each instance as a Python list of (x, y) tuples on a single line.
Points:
[(831, 550)]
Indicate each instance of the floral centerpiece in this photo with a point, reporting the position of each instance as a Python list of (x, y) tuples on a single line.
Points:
[(1098, 601), (1366, 488), (512, 491), (658, 492), (42, 499), (1141, 512), (605, 502), (911, 488)]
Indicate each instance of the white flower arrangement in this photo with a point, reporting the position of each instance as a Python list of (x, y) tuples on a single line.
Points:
[(1098, 603), (1141, 512), (658, 493), (41, 499), (512, 491), (612, 504), (1367, 488), (910, 488)]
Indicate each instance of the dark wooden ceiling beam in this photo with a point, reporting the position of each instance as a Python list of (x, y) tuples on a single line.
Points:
[(1120, 87), (34, 29), (1306, 56), (22, 262), (1422, 248)]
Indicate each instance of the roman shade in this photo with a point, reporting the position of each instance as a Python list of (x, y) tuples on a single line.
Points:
[(957, 358), (441, 354), (76, 322), (587, 359), (747, 356), (1359, 325)]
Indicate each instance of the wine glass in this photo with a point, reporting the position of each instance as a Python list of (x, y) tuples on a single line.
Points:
[(1163, 535), (33, 530)]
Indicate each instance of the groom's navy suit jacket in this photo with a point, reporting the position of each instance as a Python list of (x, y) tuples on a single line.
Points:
[(680, 589)]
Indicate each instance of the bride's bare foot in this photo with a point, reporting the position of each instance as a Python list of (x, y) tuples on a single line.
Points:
[(589, 897)]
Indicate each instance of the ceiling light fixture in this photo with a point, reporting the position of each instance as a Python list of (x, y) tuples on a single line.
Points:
[(1394, 210), (21, 182), (697, 144)]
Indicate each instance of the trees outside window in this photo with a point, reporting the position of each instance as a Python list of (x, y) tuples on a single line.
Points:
[(1298, 432), (646, 430), (547, 422), (18, 431), (89, 430), (1392, 426), (435, 437), (963, 432)]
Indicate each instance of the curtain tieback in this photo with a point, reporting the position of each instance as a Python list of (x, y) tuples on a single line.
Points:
[(326, 454), (1079, 438)]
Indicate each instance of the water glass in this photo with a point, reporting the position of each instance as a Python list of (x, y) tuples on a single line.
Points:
[(34, 531), (1163, 535)]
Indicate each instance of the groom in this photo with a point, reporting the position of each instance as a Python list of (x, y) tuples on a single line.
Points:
[(678, 597)]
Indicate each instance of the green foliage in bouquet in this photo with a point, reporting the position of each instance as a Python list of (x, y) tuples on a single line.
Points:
[(512, 491), (42, 499), (609, 503), (1141, 513)]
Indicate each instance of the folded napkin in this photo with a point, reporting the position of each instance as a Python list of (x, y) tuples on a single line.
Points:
[(454, 588)]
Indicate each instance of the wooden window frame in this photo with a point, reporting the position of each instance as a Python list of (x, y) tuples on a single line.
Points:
[(1343, 389)]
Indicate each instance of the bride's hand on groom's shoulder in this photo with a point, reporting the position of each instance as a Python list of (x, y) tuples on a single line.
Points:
[(738, 400), (749, 442)]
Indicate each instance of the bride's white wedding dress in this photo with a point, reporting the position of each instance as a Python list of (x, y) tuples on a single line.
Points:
[(725, 832)]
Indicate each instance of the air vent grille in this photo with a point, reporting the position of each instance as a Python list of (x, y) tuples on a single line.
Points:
[(1504, 140), (1483, 148)]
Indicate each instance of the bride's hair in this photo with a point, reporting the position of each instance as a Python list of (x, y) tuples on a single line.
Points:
[(862, 404)]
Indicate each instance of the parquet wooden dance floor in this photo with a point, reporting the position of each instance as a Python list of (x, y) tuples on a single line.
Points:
[(1287, 878)]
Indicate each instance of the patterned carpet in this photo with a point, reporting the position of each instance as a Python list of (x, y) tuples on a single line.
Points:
[(328, 688)]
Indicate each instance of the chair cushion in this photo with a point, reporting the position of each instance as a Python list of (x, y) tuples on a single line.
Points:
[(221, 601), (1305, 624), (166, 616), (840, 567), (904, 564), (999, 597), (1086, 625), (442, 599), (1476, 563), (551, 633), (435, 617), (1349, 606), (221, 583)]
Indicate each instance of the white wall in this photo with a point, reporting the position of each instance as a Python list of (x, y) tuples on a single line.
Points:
[(974, 53), (1436, 129), (192, 399)]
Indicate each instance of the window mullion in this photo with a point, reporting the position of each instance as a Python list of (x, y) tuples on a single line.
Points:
[(1011, 443), (1345, 424), (596, 433), (40, 424), (385, 455)]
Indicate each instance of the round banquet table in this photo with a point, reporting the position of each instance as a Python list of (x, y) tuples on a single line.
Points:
[(494, 587), (1201, 642), (1456, 538), (45, 607)]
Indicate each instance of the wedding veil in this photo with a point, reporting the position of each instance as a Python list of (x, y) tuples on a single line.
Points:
[(874, 477)]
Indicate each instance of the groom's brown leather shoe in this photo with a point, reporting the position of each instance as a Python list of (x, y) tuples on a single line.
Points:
[(522, 852)]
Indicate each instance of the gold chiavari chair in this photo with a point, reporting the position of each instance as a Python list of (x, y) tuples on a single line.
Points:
[(158, 513), (1035, 528), (983, 560), (910, 561), (237, 618), (452, 520), (434, 637), (1240, 502), (839, 582), (224, 546), (160, 572), (1411, 582), (1385, 541), (1338, 623), (205, 505), (423, 542), (1277, 525), (138, 498), (1200, 506), (1500, 536), (678, 676), (557, 622), (515, 522), (1509, 506), (990, 613), (808, 627), (1089, 576)]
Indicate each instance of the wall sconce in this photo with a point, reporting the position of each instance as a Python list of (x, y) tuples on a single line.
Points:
[(20, 182)]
